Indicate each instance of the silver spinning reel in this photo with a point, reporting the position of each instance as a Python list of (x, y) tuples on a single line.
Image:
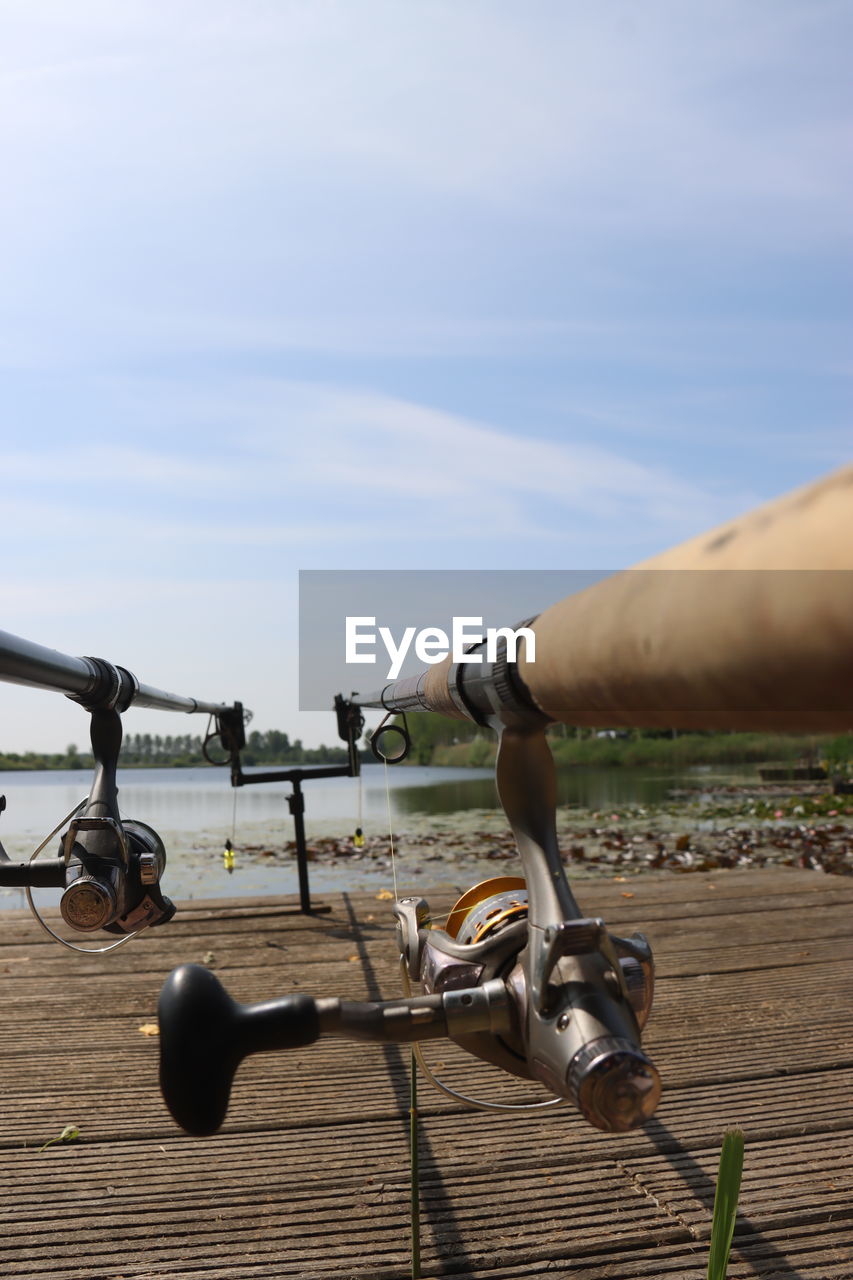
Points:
[(519, 978)]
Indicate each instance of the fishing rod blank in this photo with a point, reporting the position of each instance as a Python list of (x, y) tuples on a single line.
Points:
[(749, 626), (93, 682)]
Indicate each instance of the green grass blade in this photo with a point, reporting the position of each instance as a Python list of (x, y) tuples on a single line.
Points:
[(725, 1204)]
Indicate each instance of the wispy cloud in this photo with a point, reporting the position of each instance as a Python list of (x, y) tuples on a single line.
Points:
[(325, 452), (476, 101), (324, 285)]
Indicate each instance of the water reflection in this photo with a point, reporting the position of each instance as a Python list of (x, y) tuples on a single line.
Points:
[(607, 788), (587, 788), (202, 799), (194, 800), (193, 809), (448, 796)]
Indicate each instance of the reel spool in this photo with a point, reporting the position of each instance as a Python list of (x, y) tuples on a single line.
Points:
[(487, 908)]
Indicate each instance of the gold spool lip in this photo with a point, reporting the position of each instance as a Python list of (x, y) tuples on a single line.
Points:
[(478, 893), (511, 913)]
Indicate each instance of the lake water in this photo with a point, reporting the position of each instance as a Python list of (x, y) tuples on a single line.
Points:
[(202, 799), (193, 811)]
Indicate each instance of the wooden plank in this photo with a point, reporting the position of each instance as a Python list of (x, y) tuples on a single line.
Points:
[(309, 1177)]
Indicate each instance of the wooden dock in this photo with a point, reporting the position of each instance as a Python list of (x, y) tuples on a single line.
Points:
[(752, 1025)]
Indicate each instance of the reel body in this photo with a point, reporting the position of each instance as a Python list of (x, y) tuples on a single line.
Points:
[(109, 867), (440, 962), (485, 938), (112, 876), (112, 866)]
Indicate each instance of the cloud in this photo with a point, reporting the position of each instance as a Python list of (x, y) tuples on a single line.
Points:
[(383, 182), (585, 117), (342, 462)]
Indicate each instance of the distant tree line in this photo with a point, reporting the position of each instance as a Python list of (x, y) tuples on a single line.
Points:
[(440, 740), (153, 751), (428, 733), (275, 747)]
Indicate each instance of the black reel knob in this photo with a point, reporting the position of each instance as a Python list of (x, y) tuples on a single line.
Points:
[(204, 1036)]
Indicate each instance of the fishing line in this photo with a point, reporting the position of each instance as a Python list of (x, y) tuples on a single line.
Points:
[(391, 830), (228, 851), (358, 836)]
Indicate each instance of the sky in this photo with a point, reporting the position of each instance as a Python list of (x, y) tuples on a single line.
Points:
[(356, 284)]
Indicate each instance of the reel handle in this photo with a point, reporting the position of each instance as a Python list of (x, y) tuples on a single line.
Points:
[(204, 1036)]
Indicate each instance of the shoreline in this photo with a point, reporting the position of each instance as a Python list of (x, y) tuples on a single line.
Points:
[(737, 828), (725, 826)]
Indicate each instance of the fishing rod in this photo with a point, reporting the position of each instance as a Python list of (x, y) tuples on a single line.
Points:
[(750, 626), (109, 868)]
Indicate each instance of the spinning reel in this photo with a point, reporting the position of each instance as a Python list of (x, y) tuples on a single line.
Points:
[(109, 868), (519, 978)]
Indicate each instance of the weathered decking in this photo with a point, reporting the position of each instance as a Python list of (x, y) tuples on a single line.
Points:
[(753, 1024)]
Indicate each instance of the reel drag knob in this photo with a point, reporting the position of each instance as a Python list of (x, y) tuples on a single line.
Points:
[(614, 1085), (204, 1036), (89, 903)]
